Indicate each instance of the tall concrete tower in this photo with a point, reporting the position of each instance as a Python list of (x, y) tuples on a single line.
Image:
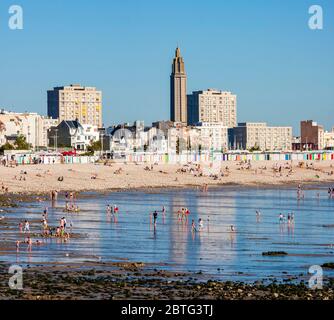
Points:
[(178, 81)]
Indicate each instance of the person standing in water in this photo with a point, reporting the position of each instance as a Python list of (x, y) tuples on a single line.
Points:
[(200, 224), (26, 226), (193, 226), (155, 217)]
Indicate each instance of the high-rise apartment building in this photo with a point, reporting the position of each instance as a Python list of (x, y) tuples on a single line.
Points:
[(178, 83), (212, 106), (75, 102)]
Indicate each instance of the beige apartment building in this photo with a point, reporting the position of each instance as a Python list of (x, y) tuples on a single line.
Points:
[(212, 106), (329, 139), (76, 102), (258, 135), (32, 126)]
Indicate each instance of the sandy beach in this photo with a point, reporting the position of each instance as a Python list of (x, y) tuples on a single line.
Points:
[(39, 179)]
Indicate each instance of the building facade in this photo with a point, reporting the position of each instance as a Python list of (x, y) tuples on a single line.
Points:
[(312, 135), (329, 139), (76, 102), (178, 90), (260, 136), (213, 136), (212, 106), (32, 126), (72, 134)]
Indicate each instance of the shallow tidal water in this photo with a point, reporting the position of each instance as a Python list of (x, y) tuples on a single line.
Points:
[(216, 252)]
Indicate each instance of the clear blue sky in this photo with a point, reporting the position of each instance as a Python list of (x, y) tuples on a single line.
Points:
[(262, 50)]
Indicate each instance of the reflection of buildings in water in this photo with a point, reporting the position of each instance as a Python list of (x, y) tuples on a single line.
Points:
[(215, 243), (179, 233)]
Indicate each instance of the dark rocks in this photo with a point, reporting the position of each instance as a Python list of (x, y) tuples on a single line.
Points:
[(274, 253), (328, 265)]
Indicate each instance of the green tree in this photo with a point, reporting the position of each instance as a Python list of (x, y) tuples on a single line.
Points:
[(94, 146), (6, 146), (22, 144), (255, 148)]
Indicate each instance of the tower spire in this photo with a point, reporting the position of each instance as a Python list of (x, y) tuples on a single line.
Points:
[(178, 89)]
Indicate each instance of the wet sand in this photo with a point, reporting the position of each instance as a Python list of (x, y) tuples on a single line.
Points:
[(41, 179)]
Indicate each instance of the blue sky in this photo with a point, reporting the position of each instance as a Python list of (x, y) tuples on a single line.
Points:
[(262, 50)]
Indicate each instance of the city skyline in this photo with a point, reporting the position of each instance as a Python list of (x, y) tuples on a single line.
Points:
[(280, 70)]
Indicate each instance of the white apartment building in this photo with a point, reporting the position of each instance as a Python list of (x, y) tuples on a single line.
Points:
[(329, 139), (32, 126), (76, 102), (213, 136), (182, 139), (249, 135), (212, 106)]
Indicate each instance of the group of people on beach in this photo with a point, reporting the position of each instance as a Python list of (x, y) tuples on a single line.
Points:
[(4, 189), (60, 231), (112, 210), (154, 216), (70, 205), (290, 218), (183, 215), (24, 228)]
